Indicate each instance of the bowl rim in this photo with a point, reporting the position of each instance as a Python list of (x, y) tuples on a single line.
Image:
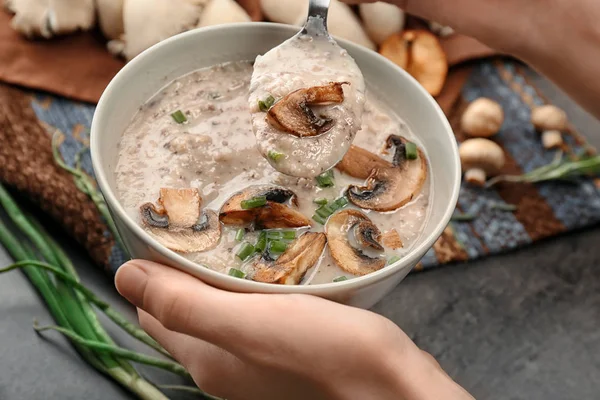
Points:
[(244, 285)]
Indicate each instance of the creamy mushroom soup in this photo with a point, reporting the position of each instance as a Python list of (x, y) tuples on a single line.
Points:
[(189, 171)]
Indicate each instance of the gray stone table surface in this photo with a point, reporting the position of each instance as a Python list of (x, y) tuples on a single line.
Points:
[(525, 325)]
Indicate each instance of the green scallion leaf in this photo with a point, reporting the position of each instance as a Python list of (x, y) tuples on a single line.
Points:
[(393, 260), (274, 235), (254, 202), (340, 279), (320, 201), (324, 211), (319, 219), (325, 179), (411, 151), (277, 246), (289, 235), (179, 117), (245, 251), (239, 235), (261, 242), (275, 155), (266, 104), (341, 202), (236, 273)]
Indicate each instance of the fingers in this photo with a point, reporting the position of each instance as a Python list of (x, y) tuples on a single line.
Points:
[(238, 323)]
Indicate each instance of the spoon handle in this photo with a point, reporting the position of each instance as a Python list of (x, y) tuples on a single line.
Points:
[(319, 8)]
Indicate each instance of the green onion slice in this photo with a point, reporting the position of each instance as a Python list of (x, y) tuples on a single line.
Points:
[(254, 202), (275, 155), (277, 246), (340, 279), (319, 219), (261, 242), (266, 104), (325, 179), (179, 117), (245, 251), (239, 235), (236, 273), (411, 150), (320, 201), (289, 235), (393, 260)]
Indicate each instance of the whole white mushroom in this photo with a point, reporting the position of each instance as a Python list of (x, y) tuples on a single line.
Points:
[(480, 159), (482, 118), (551, 121), (219, 12), (285, 11), (110, 17), (381, 20), (48, 18)]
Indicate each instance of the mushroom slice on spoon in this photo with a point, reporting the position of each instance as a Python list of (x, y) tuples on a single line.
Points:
[(291, 266), (178, 223), (388, 189), (354, 242), (293, 114), (267, 207)]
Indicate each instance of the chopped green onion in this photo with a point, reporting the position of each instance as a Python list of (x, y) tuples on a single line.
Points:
[(324, 211), (266, 104), (274, 235), (179, 117), (277, 246), (340, 279), (393, 260), (320, 201), (275, 155), (504, 206), (319, 219), (261, 243), (466, 217), (254, 202), (325, 179), (411, 151), (239, 235), (236, 273), (245, 251), (341, 202), (289, 235)]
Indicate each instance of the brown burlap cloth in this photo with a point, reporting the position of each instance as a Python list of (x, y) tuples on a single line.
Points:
[(78, 67)]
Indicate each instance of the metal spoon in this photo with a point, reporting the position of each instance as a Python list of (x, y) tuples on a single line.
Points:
[(308, 59)]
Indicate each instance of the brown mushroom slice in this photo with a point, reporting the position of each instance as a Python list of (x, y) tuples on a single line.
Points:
[(420, 53), (274, 214), (178, 223), (391, 239), (359, 163), (293, 114), (351, 237), (388, 189), (291, 266)]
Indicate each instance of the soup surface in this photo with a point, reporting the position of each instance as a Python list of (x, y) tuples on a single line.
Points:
[(197, 133)]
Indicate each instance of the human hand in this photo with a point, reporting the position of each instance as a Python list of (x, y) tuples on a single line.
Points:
[(267, 346), (559, 38)]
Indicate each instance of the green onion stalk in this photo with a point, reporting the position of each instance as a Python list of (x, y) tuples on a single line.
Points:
[(73, 306)]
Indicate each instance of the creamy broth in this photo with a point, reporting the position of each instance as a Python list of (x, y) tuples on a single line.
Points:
[(216, 152)]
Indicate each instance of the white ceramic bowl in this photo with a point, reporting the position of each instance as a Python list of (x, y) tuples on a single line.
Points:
[(179, 55)]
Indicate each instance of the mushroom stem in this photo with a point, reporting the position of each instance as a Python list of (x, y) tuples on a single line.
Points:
[(475, 176), (552, 139)]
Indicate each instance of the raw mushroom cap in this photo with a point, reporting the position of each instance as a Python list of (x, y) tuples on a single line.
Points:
[(482, 118), (483, 154), (388, 189), (339, 229), (291, 266), (293, 115), (275, 214), (548, 118)]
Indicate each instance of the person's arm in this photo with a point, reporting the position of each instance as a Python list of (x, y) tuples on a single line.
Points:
[(259, 346), (558, 38)]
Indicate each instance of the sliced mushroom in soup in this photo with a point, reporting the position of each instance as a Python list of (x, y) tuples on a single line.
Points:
[(267, 226)]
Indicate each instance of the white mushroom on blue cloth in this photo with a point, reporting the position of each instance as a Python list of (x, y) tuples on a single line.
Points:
[(550, 121)]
